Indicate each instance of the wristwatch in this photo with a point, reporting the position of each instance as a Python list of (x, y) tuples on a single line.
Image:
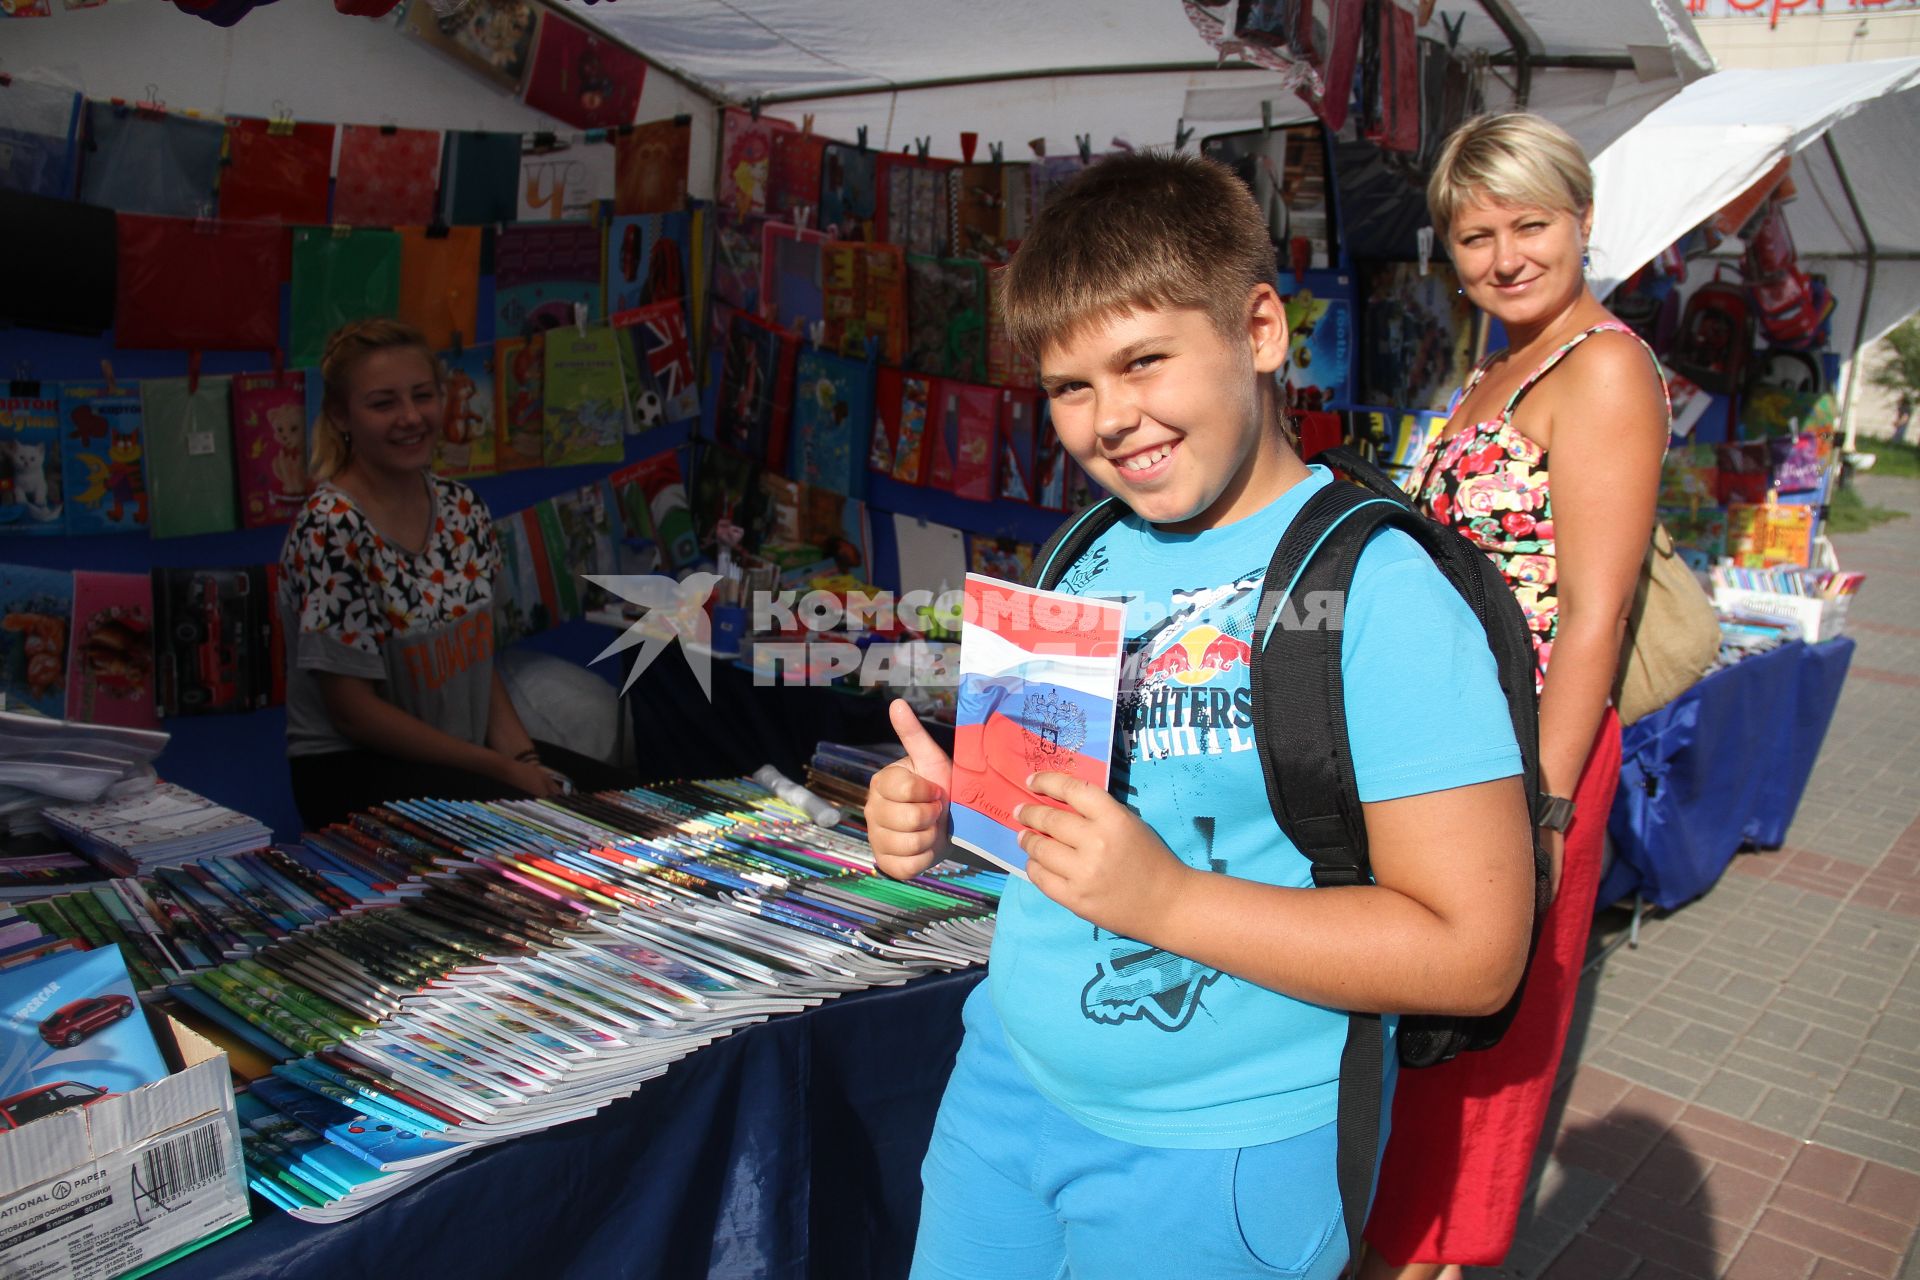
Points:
[(1555, 813)]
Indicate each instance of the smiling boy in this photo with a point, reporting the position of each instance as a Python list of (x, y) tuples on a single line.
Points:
[(1148, 1081)]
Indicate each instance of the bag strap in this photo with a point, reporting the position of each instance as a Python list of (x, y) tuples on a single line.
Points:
[(1071, 540), (1309, 771)]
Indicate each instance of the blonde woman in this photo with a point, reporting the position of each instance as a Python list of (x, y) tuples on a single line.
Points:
[(1512, 200), (386, 598)]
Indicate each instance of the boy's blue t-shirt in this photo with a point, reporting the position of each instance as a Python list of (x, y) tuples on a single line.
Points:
[(1146, 1046)]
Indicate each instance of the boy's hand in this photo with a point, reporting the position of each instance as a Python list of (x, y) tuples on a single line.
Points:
[(1099, 861), (907, 801)]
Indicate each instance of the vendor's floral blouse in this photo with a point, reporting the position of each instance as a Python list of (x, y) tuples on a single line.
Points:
[(1490, 482)]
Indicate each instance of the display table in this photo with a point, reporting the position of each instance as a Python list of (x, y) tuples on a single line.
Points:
[(790, 1149), (1724, 765)]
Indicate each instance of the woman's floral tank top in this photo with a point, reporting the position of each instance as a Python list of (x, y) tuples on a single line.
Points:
[(1490, 482)]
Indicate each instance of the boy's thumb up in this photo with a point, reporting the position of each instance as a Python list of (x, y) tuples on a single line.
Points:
[(923, 753)]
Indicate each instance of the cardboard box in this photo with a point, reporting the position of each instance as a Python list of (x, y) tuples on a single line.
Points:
[(1816, 618), (128, 1183)]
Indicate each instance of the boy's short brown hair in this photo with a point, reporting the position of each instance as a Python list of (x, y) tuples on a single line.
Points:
[(1147, 230)]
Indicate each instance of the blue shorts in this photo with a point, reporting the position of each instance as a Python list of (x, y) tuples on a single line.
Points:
[(1015, 1187)]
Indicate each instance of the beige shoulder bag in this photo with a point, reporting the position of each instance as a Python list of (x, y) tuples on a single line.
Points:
[(1672, 634)]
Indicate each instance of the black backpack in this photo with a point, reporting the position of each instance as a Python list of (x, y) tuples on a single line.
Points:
[(1309, 772)]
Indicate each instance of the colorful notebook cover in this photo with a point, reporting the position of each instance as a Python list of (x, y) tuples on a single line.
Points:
[(190, 472), (652, 499), (213, 637), (585, 399), (1039, 676), (71, 1032), (917, 204), (481, 184), (849, 182), (815, 533), (520, 366), (650, 167), (540, 272), (752, 407), (659, 353), (583, 79), (386, 176), (832, 406), (974, 454), (746, 154), (340, 275), (793, 181), (269, 439), (36, 611), (560, 182), (110, 652), (1763, 534), (585, 543), (468, 427), (909, 437), (864, 288), (32, 501), (276, 173), (102, 458), (649, 258), (1320, 350), (947, 317), (1018, 413), (518, 609), (440, 283)]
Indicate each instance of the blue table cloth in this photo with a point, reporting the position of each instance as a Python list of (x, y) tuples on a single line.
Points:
[(791, 1149), (1724, 765)]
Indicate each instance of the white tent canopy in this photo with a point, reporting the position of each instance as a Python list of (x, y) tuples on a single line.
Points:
[(1851, 131), (1012, 70)]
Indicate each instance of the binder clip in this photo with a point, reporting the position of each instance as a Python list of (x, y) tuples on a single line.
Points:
[(997, 152), (753, 108), (389, 127), (280, 124), (438, 229), (151, 108), (24, 385), (682, 121), (921, 146), (342, 230), (1085, 142), (545, 140), (861, 137)]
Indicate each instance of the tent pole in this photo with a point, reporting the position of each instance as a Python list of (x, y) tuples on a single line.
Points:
[(1004, 77), (1854, 371), (1502, 14)]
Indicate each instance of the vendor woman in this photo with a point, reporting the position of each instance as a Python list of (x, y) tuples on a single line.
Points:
[(386, 600)]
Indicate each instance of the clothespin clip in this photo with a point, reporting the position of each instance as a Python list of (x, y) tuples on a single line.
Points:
[(106, 372), (816, 332), (1452, 28), (1121, 144), (1423, 243), (922, 145), (802, 214), (150, 108), (861, 137), (753, 107), (203, 219), (806, 123), (193, 372), (1085, 142), (280, 124), (580, 318), (389, 126), (997, 152), (1181, 135), (1266, 117)]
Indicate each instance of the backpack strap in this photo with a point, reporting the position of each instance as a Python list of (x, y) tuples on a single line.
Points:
[(1071, 540), (1308, 764)]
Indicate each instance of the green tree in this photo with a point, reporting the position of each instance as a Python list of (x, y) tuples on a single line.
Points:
[(1900, 370)]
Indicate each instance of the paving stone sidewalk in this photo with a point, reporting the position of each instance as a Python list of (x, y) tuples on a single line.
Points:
[(1741, 1094)]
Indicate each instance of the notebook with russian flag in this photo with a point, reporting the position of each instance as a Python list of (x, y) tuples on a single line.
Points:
[(1039, 672)]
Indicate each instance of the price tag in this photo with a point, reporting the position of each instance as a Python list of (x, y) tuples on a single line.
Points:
[(200, 444)]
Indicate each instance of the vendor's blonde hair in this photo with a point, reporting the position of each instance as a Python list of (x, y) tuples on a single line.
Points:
[(1510, 158), (346, 347), (1149, 230)]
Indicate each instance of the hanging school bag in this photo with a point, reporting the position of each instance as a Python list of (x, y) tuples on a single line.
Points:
[(1300, 735), (1716, 333)]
